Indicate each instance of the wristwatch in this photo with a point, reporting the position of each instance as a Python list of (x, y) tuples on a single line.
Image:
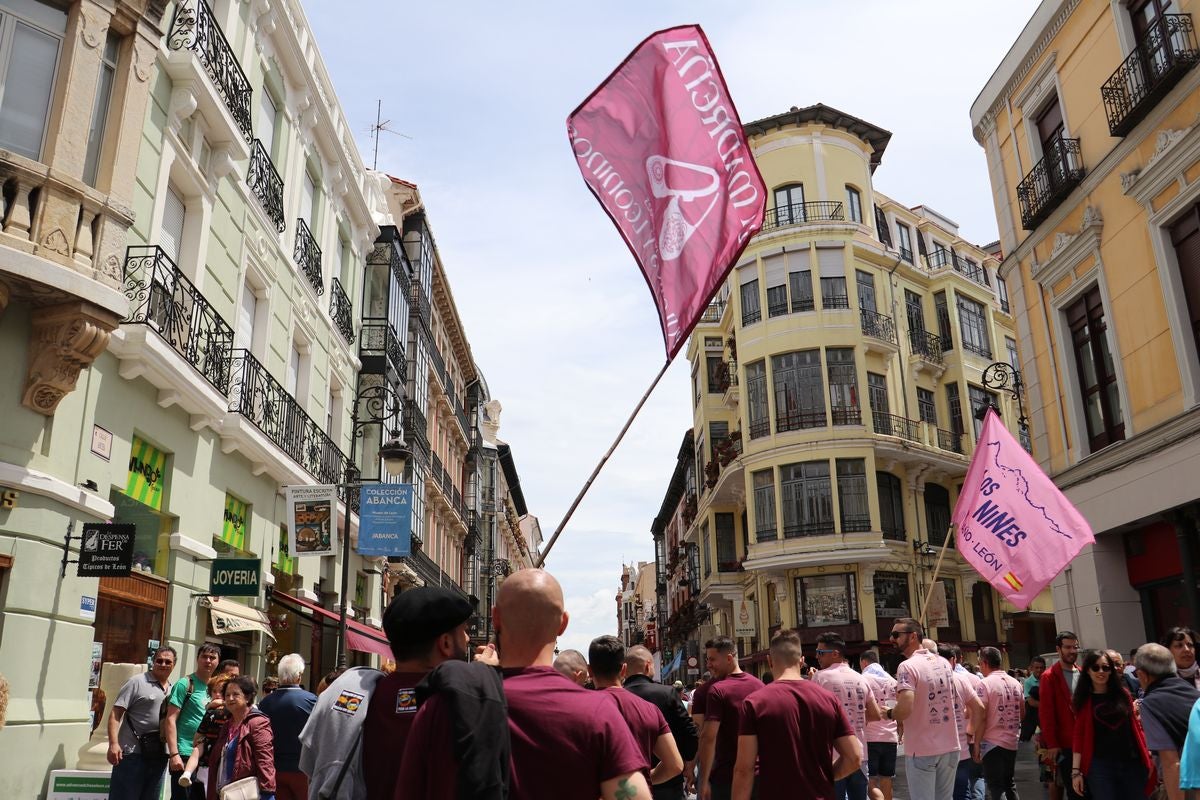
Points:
[(890, 715)]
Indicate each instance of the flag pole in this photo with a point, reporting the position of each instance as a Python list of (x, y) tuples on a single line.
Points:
[(541, 559), (933, 581)]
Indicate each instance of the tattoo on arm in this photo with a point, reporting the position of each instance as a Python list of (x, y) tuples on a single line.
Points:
[(625, 791)]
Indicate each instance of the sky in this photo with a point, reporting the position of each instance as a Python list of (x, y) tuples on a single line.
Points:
[(560, 321)]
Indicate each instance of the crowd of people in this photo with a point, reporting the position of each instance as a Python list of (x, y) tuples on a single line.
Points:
[(517, 721)]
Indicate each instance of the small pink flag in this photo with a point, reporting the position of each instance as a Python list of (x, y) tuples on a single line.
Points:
[(661, 147), (1014, 526)]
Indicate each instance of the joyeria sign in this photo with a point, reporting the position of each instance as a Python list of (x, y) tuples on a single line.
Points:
[(661, 147)]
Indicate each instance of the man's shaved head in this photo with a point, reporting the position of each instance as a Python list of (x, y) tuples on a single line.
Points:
[(529, 613), (573, 665), (636, 659)]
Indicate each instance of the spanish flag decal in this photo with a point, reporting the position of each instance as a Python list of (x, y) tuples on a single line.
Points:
[(1012, 581)]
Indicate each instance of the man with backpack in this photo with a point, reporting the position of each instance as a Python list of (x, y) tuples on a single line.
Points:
[(134, 748), (184, 709)]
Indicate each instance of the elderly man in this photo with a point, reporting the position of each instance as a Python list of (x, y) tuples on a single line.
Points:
[(134, 748), (1166, 706), (288, 708)]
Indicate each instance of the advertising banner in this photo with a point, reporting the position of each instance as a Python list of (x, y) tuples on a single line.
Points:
[(311, 518), (938, 613), (744, 621), (106, 551), (385, 520)]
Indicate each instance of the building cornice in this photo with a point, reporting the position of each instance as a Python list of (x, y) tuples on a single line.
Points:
[(1121, 454)]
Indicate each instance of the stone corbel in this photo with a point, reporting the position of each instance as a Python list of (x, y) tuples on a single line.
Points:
[(64, 339), (221, 162), (184, 102)]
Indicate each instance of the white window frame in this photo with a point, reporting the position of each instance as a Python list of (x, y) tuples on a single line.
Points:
[(8, 18)]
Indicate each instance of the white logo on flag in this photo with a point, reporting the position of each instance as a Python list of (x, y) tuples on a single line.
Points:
[(676, 228)]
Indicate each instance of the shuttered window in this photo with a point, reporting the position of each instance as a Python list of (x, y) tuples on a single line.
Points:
[(171, 235)]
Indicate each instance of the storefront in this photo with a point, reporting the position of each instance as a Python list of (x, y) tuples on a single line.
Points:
[(1157, 556), (232, 625), (360, 638)]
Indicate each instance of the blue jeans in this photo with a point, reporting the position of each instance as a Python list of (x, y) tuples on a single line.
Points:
[(137, 778), (1107, 780), (931, 777), (968, 781), (851, 787)]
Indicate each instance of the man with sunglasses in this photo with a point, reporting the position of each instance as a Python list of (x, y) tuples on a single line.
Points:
[(857, 699), (137, 772), (927, 703)]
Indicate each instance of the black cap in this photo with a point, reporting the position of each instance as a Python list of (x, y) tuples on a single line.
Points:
[(421, 615)]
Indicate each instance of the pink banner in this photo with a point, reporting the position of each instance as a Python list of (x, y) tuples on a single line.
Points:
[(1014, 526), (661, 146)]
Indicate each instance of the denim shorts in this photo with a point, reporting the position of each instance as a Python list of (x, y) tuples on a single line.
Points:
[(881, 759)]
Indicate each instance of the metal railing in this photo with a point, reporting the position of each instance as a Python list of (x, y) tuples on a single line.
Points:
[(195, 28), (937, 259), (969, 269), (802, 213), (798, 420), (949, 440), (926, 345), (435, 470), (1166, 52), (713, 312), (760, 428), (798, 530), (846, 415), (856, 523), (726, 376), (1049, 182), (378, 338), (892, 425), (266, 184), (878, 326), (906, 253), (978, 349), (256, 395), (835, 301), (163, 298), (341, 310), (307, 255), (416, 426)]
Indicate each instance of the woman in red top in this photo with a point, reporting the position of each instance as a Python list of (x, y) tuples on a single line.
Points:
[(1109, 750), (245, 747)]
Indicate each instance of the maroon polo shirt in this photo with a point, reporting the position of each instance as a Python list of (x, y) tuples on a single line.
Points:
[(725, 706), (645, 721), (390, 715), (428, 768), (796, 723)]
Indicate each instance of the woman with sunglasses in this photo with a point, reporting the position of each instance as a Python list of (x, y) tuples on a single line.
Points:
[(1109, 750)]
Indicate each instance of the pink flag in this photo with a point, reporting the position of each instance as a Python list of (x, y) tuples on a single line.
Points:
[(1014, 526), (661, 146)]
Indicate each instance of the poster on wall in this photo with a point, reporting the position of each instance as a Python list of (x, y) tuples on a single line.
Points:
[(826, 601), (385, 520), (744, 619), (311, 516), (97, 662), (938, 613)]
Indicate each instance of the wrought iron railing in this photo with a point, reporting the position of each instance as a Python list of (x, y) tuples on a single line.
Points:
[(769, 534), (416, 426), (829, 301), (307, 255), (1050, 181), (907, 254), (435, 470), (266, 184), (341, 311), (1166, 52), (937, 259), (713, 312), (447, 484), (460, 414), (797, 530), (878, 326), (893, 425), (949, 440), (256, 395), (802, 213), (726, 376), (926, 345), (798, 420), (195, 28), (378, 339), (856, 523), (846, 415), (162, 297), (751, 316), (760, 428), (981, 350), (439, 365)]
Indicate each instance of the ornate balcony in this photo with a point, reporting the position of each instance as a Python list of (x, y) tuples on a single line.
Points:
[(341, 311), (162, 298), (195, 28), (1049, 182), (1157, 63), (804, 213), (881, 328), (416, 427), (266, 184), (713, 312), (893, 425), (308, 257), (381, 350), (927, 345), (949, 440), (846, 415)]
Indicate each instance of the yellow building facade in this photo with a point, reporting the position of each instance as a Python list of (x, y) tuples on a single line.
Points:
[(835, 380), (1093, 152)]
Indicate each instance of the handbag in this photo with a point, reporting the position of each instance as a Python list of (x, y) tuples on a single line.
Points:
[(150, 745), (244, 789)]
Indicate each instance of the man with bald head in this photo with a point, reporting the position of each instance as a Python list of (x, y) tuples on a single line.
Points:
[(573, 665), (639, 672), (567, 742)]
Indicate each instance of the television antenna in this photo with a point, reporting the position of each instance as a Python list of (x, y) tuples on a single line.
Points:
[(382, 125)]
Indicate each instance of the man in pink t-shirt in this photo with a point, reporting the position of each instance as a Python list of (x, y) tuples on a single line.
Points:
[(1003, 697), (925, 703), (853, 691), (883, 736), (968, 780)]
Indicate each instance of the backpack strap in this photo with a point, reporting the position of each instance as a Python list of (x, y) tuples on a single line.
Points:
[(345, 766)]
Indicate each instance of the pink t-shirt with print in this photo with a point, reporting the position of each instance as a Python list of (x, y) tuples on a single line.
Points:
[(966, 684), (1002, 695), (852, 690), (883, 686), (932, 727)]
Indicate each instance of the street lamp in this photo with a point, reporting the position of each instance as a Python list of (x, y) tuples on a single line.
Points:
[(1004, 377), (383, 407)]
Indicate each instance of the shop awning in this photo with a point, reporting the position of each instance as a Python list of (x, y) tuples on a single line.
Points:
[(360, 637), (229, 616)]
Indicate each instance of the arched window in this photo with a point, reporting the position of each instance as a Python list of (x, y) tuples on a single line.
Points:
[(937, 514), (891, 506), (789, 205), (854, 203)]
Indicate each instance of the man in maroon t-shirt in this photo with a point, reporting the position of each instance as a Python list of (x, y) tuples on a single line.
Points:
[(606, 664), (789, 729), (722, 718)]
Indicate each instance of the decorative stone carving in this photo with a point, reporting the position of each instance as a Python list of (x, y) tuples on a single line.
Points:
[(56, 242), (92, 29), (1091, 218), (1061, 242), (490, 424), (1165, 141), (1128, 179), (143, 60), (183, 104), (111, 267), (63, 340)]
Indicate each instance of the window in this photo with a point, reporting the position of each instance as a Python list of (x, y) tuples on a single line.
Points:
[(29, 45), (972, 321), (696, 384), (954, 403), (937, 514), (866, 290), (777, 301), (717, 375), (807, 499), (268, 117), (943, 318), (978, 399), (940, 256), (293, 370), (756, 392), (854, 204), (764, 505), (799, 398), (789, 205), (717, 433), (705, 549), (826, 600), (1185, 237), (843, 386), (104, 88), (308, 201), (904, 241), (927, 406), (833, 293), (1002, 291), (252, 321), (171, 234), (1096, 376), (852, 495), (727, 560), (915, 312), (891, 506), (802, 290), (881, 227), (1011, 345), (891, 597), (751, 306)]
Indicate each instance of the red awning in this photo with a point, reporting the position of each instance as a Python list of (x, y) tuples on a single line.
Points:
[(360, 637)]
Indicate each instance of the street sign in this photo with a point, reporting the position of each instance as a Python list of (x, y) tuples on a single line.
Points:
[(385, 519), (234, 577), (106, 551), (693, 662)]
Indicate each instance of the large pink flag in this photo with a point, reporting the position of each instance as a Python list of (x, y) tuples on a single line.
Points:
[(661, 146), (1014, 526)]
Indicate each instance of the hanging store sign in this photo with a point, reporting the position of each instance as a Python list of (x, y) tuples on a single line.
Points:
[(147, 474), (106, 551), (235, 523), (744, 619), (938, 613), (234, 577), (311, 515), (385, 520)]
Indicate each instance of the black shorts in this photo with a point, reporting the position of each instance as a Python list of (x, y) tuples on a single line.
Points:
[(881, 759)]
